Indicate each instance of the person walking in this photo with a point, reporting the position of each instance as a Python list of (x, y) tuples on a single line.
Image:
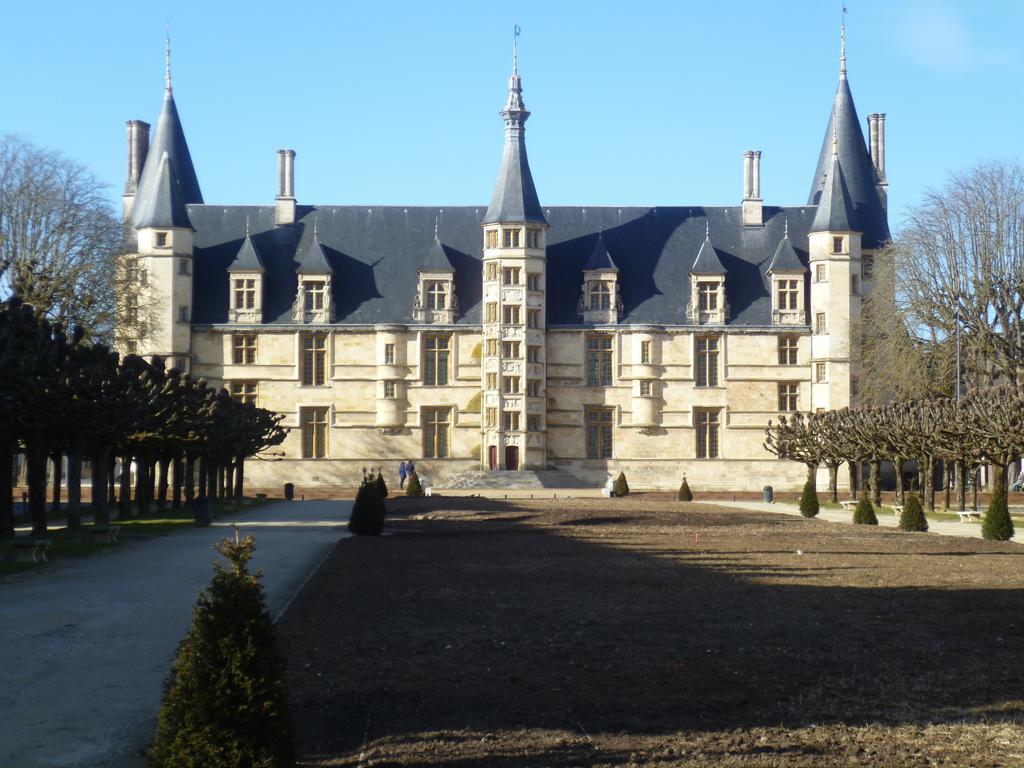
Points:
[(409, 467), (402, 471)]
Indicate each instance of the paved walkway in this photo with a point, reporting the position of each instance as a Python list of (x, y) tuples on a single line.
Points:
[(85, 645), (884, 514)]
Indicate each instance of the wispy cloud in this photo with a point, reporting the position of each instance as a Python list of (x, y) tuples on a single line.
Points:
[(936, 36)]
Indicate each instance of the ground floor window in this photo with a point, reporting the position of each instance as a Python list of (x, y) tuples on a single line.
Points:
[(244, 391), (707, 423), (435, 432), (599, 432), (314, 433)]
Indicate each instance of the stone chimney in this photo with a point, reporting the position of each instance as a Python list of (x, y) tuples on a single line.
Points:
[(753, 214), (876, 144), (285, 203), (138, 148)]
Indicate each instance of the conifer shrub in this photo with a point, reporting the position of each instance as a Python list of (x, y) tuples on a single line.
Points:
[(621, 487), (413, 486), (912, 518), (997, 525), (368, 511), (685, 494), (382, 487), (225, 703), (864, 514), (809, 505)]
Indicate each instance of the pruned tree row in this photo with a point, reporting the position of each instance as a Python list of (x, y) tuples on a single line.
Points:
[(985, 427), (63, 397)]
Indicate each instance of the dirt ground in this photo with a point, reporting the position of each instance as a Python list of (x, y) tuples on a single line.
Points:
[(632, 632)]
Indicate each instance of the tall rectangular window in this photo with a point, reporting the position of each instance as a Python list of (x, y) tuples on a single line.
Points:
[(707, 361), (314, 293), (389, 354), (435, 361), (599, 360), (510, 385), (533, 281), (788, 394), (533, 354), (511, 238), (161, 239), (599, 432), (510, 349), (820, 373), (708, 294), (600, 295), (707, 433), (788, 346), (510, 276), (511, 421), (492, 347), (492, 417), (437, 294), (243, 348), (533, 318), (645, 353), (244, 391), (492, 242), (314, 433), (819, 323), (533, 387), (314, 359), (510, 314), (491, 315), (435, 432), (492, 380), (820, 273), (183, 268), (533, 423), (867, 266), (837, 245), (789, 294), (533, 238), (492, 266), (646, 388), (389, 390), (245, 293)]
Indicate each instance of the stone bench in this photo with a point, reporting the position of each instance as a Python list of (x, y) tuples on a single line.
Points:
[(30, 550), (897, 510), (849, 505), (105, 533), (966, 515)]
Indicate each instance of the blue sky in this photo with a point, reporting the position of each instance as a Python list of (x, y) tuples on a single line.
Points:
[(633, 103)]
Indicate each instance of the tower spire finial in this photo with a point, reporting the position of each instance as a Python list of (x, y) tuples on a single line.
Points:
[(787, 227), (515, 50), (835, 131), (167, 71), (842, 45), (707, 227), (437, 222)]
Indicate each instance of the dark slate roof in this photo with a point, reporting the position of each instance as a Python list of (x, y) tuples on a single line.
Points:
[(868, 213), (786, 258), (436, 259), (168, 137), (599, 257), (163, 205), (375, 252), (707, 261), (248, 258), (314, 260), (515, 196), (835, 211)]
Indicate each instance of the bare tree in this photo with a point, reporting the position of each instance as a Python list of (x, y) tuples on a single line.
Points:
[(59, 238)]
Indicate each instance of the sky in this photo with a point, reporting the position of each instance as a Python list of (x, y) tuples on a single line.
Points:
[(639, 103)]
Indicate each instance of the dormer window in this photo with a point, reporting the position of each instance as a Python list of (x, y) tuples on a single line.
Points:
[(437, 295), (708, 294), (162, 239), (245, 293), (600, 296), (313, 296)]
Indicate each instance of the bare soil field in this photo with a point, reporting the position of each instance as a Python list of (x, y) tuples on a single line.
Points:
[(635, 632)]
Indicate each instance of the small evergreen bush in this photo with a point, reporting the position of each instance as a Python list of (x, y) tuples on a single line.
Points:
[(864, 514), (412, 485), (809, 505), (997, 525), (685, 494), (225, 703), (912, 518), (621, 487), (368, 511), (382, 487)]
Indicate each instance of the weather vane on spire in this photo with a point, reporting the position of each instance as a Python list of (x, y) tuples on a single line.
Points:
[(515, 52), (167, 71), (842, 48)]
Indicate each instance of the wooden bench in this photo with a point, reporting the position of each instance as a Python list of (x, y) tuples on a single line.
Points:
[(849, 505), (967, 514), (105, 533), (897, 510), (30, 550)]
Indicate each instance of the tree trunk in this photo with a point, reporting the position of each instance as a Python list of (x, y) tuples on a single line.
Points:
[(99, 486), (111, 483), (141, 484), (190, 478), (999, 484), (56, 457), (229, 480), (897, 463), (854, 467), (151, 463), (929, 483), (239, 477), (6, 491), (204, 467), (124, 499), (833, 483), (975, 484), (178, 466), (74, 489), (948, 468), (874, 479), (211, 478), (162, 483), (35, 459)]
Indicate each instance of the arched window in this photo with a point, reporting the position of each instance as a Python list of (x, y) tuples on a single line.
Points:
[(600, 295)]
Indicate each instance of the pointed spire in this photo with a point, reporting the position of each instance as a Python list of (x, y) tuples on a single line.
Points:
[(842, 46), (835, 210), (707, 261), (515, 196), (167, 71), (599, 258), (436, 258), (314, 260), (248, 258), (786, 258), (163, 206)]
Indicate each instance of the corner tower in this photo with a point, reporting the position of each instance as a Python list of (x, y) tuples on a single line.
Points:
[(514, 277)]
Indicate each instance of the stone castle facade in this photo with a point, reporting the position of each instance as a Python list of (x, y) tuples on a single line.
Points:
[(658, 341)]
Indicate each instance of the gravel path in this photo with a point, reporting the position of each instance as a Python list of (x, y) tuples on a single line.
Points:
[(87, 644)]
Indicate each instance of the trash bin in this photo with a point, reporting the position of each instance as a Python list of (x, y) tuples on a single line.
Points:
[(289, 491), (202, 511), (769, 495)]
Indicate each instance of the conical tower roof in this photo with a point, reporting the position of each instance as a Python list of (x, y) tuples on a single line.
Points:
[(436, 258), (515, 196), (314, 260), (707, 261), (599, 258), (163, 205), (835, 208), (169, 139), (786, 258), (248, 258)]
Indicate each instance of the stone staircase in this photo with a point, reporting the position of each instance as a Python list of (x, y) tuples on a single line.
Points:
[(524, 480)]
